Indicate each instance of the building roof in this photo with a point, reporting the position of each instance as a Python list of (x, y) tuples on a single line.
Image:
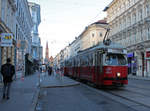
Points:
[(107, 7), (103, 21)]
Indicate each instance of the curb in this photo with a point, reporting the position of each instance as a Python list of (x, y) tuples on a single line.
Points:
[(35, 100), (60, 86), (138, 79)]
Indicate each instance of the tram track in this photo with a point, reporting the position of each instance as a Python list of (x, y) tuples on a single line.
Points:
[(128, 99), (124, 95), (111, 93), (148, 89), (129, 90)]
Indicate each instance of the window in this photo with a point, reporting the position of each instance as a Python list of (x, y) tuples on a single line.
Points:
[(148, 31), (141, 34), (129, 20), (93, 34), (115, 59), (135, 36), (147, 10), (100, 34), (134, 18), (140, 14)]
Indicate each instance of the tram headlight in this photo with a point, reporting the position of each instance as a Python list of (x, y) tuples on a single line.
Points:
[(118, 74)]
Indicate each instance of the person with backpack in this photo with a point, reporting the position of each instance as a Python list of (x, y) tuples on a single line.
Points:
[(7, 71)]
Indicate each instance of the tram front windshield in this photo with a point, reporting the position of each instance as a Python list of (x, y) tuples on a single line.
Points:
[(115, 59)]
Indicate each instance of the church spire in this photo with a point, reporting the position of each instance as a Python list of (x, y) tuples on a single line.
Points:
[(47, 51)]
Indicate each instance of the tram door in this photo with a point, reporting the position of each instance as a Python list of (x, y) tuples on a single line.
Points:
[(98, 66)]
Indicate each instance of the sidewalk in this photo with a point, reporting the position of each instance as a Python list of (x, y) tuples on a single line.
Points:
[(23, 94), (130, 76), (56, 80), (18, 76)]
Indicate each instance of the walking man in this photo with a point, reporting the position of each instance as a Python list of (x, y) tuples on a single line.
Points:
[(49, 70), (7, 71)]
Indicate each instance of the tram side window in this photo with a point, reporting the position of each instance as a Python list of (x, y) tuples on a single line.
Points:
[(73, 62), (93, 56), (79, 63), (76, 62), (90, 60), (86, 61), (70, 63), (82, 61)]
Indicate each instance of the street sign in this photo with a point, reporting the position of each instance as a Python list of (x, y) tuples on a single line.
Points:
[(6, 39)]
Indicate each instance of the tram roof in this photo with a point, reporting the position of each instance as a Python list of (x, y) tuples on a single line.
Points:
[(101, 45), (112, 45)]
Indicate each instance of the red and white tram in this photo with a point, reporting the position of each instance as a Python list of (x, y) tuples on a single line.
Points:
[(103, 65)]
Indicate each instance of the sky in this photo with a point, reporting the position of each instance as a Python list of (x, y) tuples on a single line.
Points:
[(63, 20)]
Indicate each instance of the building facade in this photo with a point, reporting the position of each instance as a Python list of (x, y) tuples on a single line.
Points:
[(7, 25), (129, 21), (74, 47), (93, 34), (36, 41), (23, 32)]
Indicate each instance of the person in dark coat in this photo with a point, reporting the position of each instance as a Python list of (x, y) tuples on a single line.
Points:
[(49, 70), (7, 71)]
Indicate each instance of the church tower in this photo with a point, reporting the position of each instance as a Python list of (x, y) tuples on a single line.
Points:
[(47, 52), (46, 61)]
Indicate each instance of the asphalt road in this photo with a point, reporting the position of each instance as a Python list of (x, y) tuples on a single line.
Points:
[(77, 98)]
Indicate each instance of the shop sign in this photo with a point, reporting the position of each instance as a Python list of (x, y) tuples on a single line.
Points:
[(130, 54), (148, 54), (6, 40)]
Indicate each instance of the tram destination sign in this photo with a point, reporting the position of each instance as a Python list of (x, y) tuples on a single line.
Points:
[(117, 51), (6, 40)]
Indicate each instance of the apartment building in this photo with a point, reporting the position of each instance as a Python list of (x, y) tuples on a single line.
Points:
[(129, 21), (36, 41), (24, 25)]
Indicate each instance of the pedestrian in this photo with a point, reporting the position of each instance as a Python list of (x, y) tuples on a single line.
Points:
[(49, 70), (7, 71)]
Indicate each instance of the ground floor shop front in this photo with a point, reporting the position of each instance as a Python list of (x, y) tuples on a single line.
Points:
[(139, 63)]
